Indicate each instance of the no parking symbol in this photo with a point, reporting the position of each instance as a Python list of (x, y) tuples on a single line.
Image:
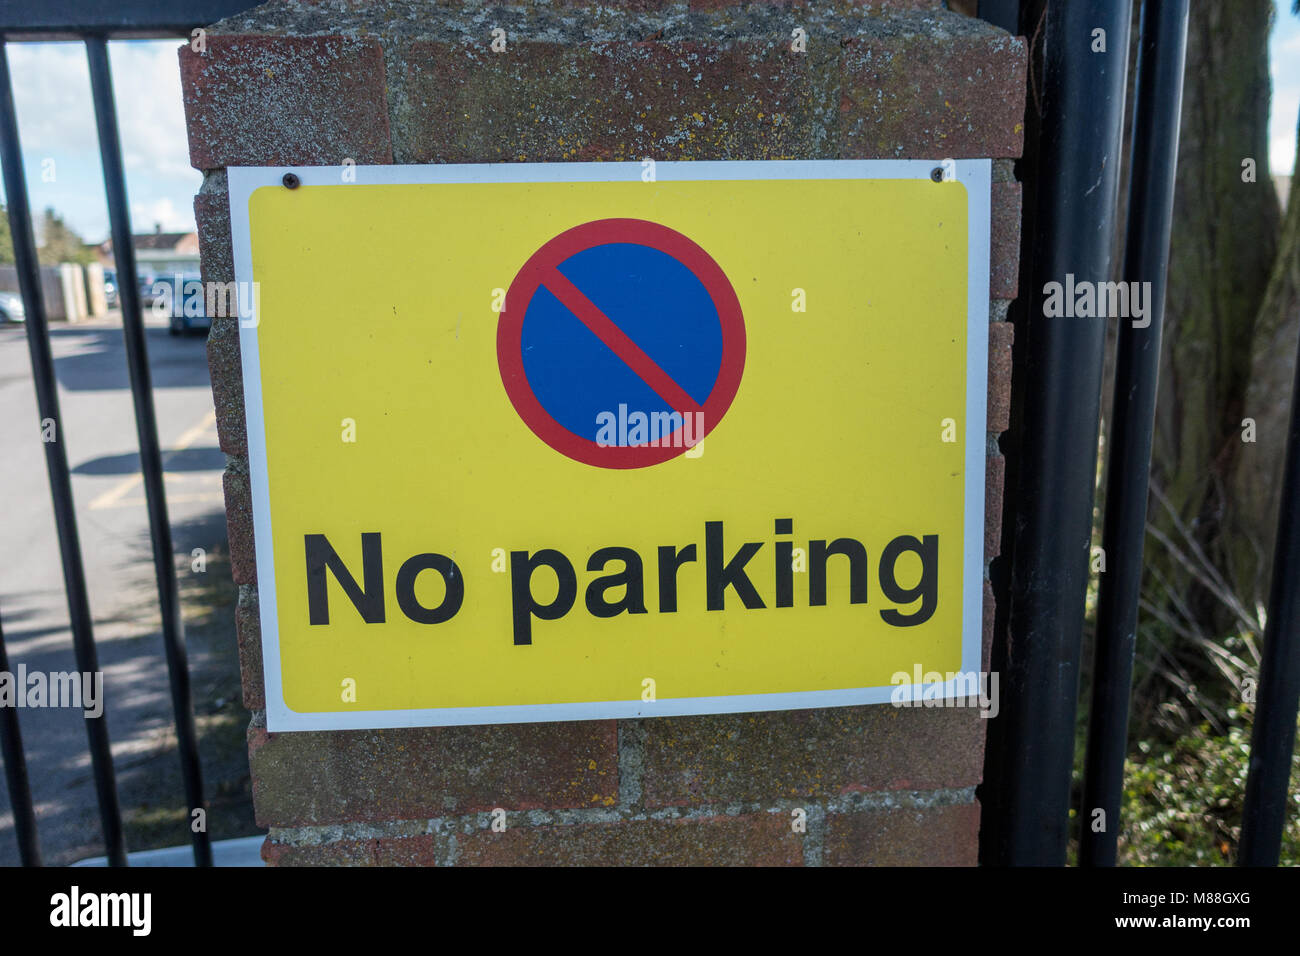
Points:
[(622, 343)]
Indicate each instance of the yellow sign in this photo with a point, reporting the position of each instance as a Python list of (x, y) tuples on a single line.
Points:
[(541, 442)]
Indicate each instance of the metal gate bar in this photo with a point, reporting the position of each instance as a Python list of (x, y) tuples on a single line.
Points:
[(1071, 166), (1273, 736), (146, 428), (20, 792), (95, 24), (1158, 97), (56, 460)]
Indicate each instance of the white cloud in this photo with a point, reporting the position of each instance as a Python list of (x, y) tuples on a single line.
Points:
[(151, 119), (52, 96), (146, 215), (1281, 155), (1282, 129), (57, 125), (52, 92)]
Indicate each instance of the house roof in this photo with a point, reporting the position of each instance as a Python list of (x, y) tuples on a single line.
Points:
[(181, 243), (159, 240)]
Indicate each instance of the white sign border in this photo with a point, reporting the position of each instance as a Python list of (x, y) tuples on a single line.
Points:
[(974, 174)]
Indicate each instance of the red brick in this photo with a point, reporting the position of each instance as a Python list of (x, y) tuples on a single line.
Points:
[(934, 836), (263, 99), (248, 632), (795, 6), (212, 216), (398, 851), (275, 100), (920, 95), (990, 613), (225, 372), (1004, 243), (553, 102), (302, 779), (810, 753), (756, 839), (994, 477), (633, 6), (1001, 337), (239, 523)]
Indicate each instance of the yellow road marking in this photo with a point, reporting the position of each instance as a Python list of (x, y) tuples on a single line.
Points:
[(111, 497)]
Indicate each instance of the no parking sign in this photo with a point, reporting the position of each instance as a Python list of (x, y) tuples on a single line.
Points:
[(540, 442), (666, 337)]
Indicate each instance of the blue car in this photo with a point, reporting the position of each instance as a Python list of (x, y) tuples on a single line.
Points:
[(180, 297)]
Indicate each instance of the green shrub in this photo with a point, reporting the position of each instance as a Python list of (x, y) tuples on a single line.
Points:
[(1182, 801)]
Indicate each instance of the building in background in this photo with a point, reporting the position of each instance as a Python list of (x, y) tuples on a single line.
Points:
[(159, 253)]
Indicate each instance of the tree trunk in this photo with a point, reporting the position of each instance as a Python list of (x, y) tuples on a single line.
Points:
[(1258, 485), (1225, 237)]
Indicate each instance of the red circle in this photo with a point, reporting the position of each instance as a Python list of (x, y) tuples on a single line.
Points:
[(558, 250)]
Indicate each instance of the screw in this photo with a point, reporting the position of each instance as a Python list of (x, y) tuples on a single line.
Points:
[(290, 181), (936, 174)]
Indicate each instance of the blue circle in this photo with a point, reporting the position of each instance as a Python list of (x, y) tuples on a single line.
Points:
[(656, 301)]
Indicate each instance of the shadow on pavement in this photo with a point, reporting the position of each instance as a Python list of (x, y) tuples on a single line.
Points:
[(139, 716), (171, 358), (187, 459)]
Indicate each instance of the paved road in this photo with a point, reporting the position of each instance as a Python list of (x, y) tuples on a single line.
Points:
[(98, 431)]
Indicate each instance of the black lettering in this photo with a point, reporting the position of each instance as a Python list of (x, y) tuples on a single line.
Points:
[(322, 556), (927, 589), (631, 578), (818, 552), (784, 564), (451, 578), (720, 576), (524, 606), (670, 561)]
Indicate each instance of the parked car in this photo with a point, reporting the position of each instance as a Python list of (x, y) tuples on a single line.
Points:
[(187, 308), (11, 307), (146, 282), (110, 288)]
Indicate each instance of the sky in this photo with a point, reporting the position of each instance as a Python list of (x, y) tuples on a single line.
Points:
[(1284, 65), (61, 151), (56, 124)]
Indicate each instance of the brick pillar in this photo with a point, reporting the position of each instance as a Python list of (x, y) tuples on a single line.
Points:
[(307, 84)]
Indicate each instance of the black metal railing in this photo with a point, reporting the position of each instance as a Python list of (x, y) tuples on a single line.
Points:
[(1070, 174), (1051, 451), (1162, 51), (95, 24)]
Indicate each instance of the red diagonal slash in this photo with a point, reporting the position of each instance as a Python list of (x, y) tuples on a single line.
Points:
[(587, 312)]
